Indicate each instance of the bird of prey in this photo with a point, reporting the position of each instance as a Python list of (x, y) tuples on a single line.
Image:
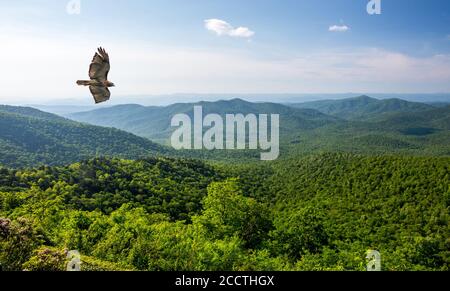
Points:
[(98, 72)]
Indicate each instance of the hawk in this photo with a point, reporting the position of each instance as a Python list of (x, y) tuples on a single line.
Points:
[(98, 72)]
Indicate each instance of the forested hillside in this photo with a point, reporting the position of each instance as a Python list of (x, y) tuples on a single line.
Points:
[(29, 137), (383, 126), (320, 212), (363, 107), (154, 122)]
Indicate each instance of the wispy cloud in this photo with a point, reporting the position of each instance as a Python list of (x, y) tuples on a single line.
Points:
[(216, 71), (221, 27), (338, 28)]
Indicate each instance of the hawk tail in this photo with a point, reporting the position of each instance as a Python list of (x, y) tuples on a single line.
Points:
[(83, 83)]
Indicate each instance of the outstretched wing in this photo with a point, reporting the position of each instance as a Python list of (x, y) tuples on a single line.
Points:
[(100, 66), (100, 93)]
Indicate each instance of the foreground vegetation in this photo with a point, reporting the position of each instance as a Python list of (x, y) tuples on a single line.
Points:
[(321, 212)]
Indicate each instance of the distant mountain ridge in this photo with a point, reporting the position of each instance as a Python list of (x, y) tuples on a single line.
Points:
[(387, 126), (438, 118), (29, 137), (154, 122), (363, 107), (30, 112)]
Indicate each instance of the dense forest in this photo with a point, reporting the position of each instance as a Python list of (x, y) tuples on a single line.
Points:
[(361, 125), (30, 138), (319, 212)]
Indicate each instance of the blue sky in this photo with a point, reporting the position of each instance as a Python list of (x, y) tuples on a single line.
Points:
[(250, 46)]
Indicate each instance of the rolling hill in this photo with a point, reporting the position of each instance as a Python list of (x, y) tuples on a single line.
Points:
[(438, 118), (395, 126), (154, 122), (363, 107), (29, 137), (417, 133)]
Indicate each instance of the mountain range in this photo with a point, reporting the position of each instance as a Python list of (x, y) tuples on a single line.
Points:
[(154, 122), (363, 107), (30, 137), (362, 124), (348, 179)]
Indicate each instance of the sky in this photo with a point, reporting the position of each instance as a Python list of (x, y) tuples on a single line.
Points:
[(224, 47)]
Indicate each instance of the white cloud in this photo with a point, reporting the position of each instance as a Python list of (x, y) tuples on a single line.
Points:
[(339, 28), (42, 67), (221, 27)]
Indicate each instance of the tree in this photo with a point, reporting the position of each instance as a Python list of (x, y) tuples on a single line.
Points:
[(229, 213), (299, 232), (18, 239)]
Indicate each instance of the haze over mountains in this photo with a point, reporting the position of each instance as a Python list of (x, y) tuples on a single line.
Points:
[(363, 107), (73, 105)]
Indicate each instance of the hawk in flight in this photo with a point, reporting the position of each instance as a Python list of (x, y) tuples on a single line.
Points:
[(98, 72)]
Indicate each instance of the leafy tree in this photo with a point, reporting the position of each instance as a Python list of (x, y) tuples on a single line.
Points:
[(227, 213), (18, 239), (47, 259), (299, 232)]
